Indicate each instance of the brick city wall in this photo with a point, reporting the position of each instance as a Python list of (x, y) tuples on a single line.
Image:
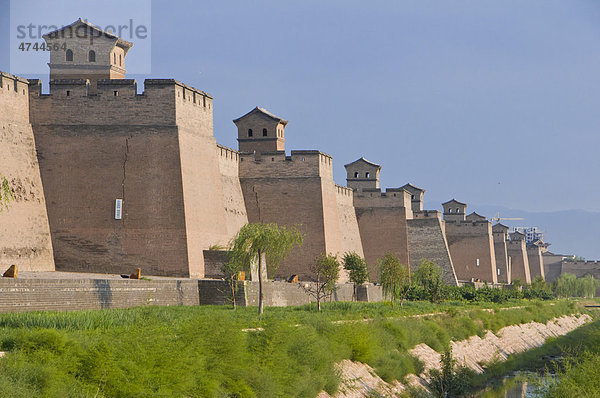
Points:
[(536, 262), (235, 208), (472, 250), (552, 266), (299, 191), (383, 230), (155, 151), (88, 294), (24, 224), (503, 270), (517, 252), (350, 234), (427, 241), (280, 293), (85, 294)]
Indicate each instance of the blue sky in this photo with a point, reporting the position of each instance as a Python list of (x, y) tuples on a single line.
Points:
[(491, 102)]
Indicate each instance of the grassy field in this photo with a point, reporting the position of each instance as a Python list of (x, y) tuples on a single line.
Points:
[(208, 351)]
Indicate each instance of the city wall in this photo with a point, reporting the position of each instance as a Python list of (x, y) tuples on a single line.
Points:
[(24, 224), (155, 151), (296, 190), (427, 241), (382, 223), (235, 209), (517, 253), (536, 262), (503, 265), (552, 266), (472, 250), (88, 294)]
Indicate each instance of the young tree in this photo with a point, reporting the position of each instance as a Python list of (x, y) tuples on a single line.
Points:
[(429, 277), (395, 278), (327, 270), (231, 272), (258, 241), (5, 192), (357, 270)]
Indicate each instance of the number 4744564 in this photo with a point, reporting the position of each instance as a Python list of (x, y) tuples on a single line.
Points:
[(42, 46)]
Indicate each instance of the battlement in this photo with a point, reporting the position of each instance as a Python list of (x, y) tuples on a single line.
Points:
[(301, 163), (515, 243), (12, 83), (344, 191), (392, 197), (14, 98), (228, 153), (427, 214), (116, 102), (588, 263), (469, 227)]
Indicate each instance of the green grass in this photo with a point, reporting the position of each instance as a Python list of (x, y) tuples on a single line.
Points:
[(204, 352)]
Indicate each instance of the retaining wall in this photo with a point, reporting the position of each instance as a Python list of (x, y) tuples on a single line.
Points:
[(88, 294)]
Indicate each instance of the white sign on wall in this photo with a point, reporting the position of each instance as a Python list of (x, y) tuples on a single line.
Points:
[(118, 209)]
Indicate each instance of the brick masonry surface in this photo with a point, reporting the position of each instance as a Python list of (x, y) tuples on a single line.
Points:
[(88, 294)]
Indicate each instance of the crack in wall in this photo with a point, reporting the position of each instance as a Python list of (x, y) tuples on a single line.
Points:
[(124, 167), (257, 204)]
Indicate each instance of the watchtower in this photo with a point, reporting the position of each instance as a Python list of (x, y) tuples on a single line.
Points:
[(362, 174), (84, 51), (416, 195), (454, 210), (260, 131)]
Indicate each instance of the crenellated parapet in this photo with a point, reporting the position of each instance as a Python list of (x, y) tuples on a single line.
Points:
[(163, 102), (13, 97), (304, 163)]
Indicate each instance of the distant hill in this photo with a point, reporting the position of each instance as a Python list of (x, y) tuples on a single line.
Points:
[(574, 232)]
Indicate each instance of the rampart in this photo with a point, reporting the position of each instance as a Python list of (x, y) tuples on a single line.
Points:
[(348, 224), (235, 209), (536, 262), (382, 223), (24, 222), (427, 241), (503, 265), (517, 252), (472, 250), (552, 266), (298, 190), (85, 294), (155, 151), (581, 268)]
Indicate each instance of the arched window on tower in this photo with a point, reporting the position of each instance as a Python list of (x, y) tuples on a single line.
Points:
[(92, 56), (115, 58), (367, 175), (457, 210), (249, 132), (264, 132), (120, 60), (356, 174), (69, 55)]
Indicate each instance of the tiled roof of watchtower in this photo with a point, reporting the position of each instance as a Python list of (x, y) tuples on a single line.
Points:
[(120, 42), (264, 112), (454, 201), (475, 216), (411, 186), (364, 161), (499, 227)]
